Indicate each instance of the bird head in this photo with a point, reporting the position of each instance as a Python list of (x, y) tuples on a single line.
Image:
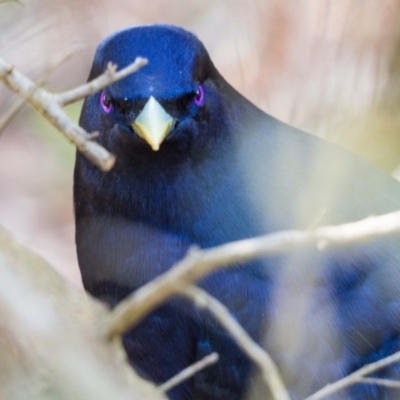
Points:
[(172, 105)]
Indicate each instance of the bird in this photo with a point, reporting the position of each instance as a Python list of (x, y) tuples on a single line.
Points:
[(198, 164)]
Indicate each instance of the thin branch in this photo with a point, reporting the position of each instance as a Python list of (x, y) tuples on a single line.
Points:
[(199, 263), (50, 106), (188, 372), (254, 351), (381, 382), (354, 377), (109, 76), (44, 102)]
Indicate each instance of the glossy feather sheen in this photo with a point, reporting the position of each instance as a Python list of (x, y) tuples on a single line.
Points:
[(228, 171)]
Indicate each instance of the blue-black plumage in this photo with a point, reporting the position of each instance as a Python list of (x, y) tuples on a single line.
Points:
[(198, 164)]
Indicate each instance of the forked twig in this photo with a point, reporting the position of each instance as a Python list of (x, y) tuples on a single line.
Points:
[(188, 372)]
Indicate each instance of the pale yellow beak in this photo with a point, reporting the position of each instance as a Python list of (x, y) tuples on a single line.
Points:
[(153, 124)]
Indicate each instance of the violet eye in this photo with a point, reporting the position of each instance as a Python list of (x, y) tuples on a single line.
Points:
[(106, 103), (199, 97)]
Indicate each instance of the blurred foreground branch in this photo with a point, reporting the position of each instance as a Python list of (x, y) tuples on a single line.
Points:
[(50, 106), (52, 334), (199, 263), (357, 377), (49, 337)]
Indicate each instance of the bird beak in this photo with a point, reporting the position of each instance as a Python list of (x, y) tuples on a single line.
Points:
[(153, 123)]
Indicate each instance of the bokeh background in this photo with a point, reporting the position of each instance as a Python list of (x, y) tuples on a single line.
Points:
[(331, 67)]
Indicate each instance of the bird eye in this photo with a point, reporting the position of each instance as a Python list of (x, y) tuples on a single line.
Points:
[(106, 103), (199, 97)]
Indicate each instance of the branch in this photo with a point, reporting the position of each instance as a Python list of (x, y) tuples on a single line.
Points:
[(109, 76), (254, 351), (199, 263), (50, 106), (189, 372), (382, 382), (46, 104), (49, 337), (355, 377)]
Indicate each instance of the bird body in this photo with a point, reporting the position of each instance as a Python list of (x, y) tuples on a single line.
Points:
[(199, 165)]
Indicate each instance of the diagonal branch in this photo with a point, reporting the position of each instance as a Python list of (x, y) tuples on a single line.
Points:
[(379, 381), (50, 347), (199, 263), (188, 372), (50, 106), (254, 351), (355, 377)]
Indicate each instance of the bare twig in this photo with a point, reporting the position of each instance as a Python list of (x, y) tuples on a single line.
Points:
[(199, 263), (381, 382), (110, 75), (254, 351), (50, 106), (354, 377), (45, 104), (189, 372)]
